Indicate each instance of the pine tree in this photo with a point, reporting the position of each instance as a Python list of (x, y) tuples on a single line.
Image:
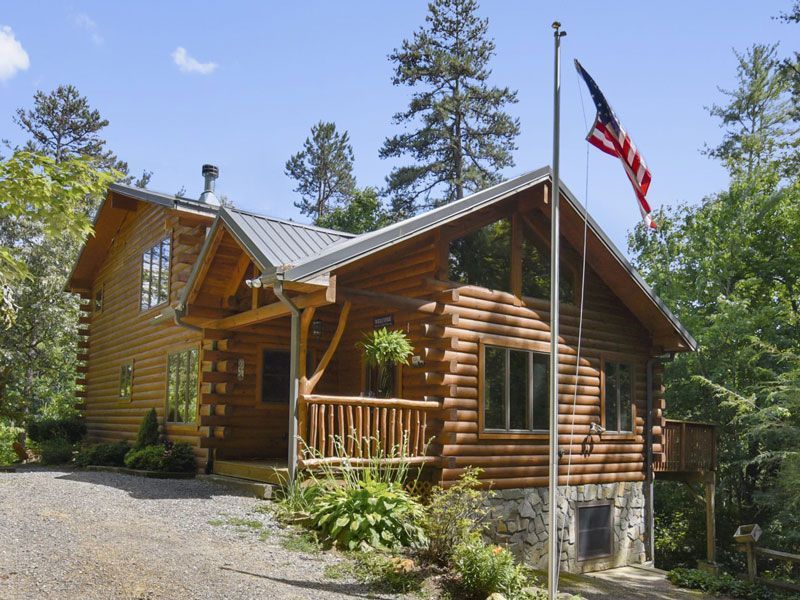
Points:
[(460, 138), (323, 170)]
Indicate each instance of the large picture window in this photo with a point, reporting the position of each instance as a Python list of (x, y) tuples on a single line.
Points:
[(618, 397), (536, 271), (515, 390), (182, 386), (483, 257), (155, 275)]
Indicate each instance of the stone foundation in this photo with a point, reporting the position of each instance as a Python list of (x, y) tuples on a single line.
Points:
[(518, 520)]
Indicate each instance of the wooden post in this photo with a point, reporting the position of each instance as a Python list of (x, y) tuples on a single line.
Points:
[(752, 570), (683, 447), (711, 526)]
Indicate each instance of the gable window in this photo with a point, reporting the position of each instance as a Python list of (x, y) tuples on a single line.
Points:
[(536, 271), (275, 375), (155, 275), (594, 531), (618, 397), (483, 257), (515, 390), (126, 380), (97, 303), (182, 386)]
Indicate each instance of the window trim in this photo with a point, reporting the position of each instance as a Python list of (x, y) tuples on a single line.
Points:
[(510, 344), (612, 540), (148, 248), (259, 404), (181, 350), (631, 362), (129, 396)]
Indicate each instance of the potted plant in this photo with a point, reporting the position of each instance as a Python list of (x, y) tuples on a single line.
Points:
[(384, 349)]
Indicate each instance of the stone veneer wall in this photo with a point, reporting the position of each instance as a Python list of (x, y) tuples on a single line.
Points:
[(518, 520)]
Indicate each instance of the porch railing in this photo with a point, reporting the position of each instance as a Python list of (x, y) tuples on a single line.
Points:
[(361, 428), (688, 447)]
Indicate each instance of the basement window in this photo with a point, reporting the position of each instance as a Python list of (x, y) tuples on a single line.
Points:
[(182, 386), (594, 531), (155, 275), (515, 390), (618, 397)]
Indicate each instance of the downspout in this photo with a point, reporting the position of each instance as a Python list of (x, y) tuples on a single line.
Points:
[(294, 361), (649, 488)]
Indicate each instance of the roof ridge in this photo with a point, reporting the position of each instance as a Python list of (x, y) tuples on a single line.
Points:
[(290, 222)]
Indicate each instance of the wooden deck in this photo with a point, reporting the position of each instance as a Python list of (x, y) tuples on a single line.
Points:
[(689, 449), (266, 471)]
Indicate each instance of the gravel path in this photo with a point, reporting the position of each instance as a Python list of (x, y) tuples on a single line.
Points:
[(93, 535)]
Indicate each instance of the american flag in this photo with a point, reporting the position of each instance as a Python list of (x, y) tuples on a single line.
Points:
[(608, 135)]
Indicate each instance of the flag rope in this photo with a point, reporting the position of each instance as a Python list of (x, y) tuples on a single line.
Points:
[(580, 323)]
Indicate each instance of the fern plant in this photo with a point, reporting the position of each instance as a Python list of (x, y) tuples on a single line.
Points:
[(384, 349)]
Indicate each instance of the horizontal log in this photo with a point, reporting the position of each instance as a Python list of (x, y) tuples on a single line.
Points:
[(372, 402)]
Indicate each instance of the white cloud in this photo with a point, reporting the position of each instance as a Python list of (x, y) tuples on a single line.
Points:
[(189, 64), (13, 57), (86, 23)]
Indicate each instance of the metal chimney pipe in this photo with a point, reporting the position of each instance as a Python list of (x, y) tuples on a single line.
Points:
[(210, 174)]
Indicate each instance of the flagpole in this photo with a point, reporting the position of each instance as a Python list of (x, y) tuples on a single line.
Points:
[(552, 521)]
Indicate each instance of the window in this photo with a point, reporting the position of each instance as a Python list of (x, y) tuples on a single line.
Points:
[(155, 275), (483, 257), (126, 380), (275, 376), (536, 271), (515, 390), (594, 531), (97, 304), (618, 397), (374, 388), (182, 386)]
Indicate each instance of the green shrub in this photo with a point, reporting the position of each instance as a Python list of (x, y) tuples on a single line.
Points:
[(149, 458), (56, 451), (148, 431), (483, 570), (723, 584), (8, 435), (179, 458), (71, 429), (454, 516), (384, 574), (106, 455), (370, 515)]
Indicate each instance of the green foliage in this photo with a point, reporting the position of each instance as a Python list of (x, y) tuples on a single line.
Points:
[(323, 170), (71, 429), (460, 137), (175, 458), (483, 570), (359, 213), (148, 431), (384, 348), (55, 451), (106, 454), (454, 516), (383, 574), (179, 458), (372, 515), (8, 435), (147, 458), (723, 585)]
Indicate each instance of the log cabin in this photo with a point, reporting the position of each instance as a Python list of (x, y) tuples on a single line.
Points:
[(242, 331)]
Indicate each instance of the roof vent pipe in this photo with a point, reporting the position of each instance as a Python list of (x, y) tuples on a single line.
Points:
[(210, 174)]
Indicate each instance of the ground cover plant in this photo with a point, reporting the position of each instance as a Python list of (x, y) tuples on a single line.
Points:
[(725, 585)]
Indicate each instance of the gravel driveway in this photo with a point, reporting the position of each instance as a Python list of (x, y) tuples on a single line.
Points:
[(89, 535)]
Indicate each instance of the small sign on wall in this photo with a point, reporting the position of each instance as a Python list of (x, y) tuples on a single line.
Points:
[(383, 321)]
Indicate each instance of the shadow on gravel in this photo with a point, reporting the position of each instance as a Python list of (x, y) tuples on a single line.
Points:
[(149, 489), (347, 589)]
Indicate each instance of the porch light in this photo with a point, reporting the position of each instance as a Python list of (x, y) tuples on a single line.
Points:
[(316, 328), (254, 283)]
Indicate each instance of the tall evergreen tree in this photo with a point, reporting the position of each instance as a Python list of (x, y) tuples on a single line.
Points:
[(322, 170), (460, 138)]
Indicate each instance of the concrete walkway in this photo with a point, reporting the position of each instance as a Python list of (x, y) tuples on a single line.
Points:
[(627, 583)]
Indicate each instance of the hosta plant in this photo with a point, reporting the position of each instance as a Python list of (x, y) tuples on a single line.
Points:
[(369, 515)]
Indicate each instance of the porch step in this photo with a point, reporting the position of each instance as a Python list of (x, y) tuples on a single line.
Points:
[(264, 471), (245, 487)]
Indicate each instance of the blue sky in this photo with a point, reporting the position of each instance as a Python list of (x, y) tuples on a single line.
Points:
[(264, 72)]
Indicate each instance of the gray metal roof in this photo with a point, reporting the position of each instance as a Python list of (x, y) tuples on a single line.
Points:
[(167, 200), (275, 243)]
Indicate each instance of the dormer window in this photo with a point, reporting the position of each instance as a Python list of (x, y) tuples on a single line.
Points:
[(155, 275)]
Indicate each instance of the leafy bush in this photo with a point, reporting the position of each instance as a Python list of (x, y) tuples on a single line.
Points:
[(484, 570), (371, 515), (170, 458), (107, 455), (8, 435), (723, 584), (453, 517), (148, 431), (72, 429), (56, 451)]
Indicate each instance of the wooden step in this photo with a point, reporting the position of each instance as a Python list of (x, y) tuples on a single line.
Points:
[(266, 471)]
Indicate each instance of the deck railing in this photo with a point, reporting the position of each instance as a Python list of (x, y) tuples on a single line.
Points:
[(688, 447), (361, 428)]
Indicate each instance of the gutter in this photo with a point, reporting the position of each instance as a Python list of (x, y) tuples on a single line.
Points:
[(294, 360), (649, 489)]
